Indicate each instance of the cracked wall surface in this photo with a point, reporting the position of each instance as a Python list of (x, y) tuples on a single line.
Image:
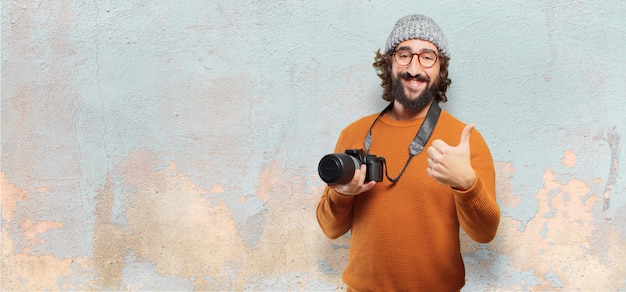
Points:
[(173, 146)]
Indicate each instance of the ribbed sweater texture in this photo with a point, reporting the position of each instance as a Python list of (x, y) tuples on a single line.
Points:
[(405, 236)]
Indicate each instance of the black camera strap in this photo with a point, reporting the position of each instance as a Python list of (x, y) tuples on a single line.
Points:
[(418, 143)]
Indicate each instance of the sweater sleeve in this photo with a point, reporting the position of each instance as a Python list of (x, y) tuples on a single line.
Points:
[(334, 213), (477, 209)]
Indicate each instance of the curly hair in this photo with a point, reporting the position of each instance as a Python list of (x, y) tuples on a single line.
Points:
[(383, 62)]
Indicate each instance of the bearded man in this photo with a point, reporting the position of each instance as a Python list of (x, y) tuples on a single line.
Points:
[(405, 229)]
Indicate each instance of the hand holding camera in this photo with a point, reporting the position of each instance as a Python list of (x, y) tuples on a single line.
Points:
[(352, 172), (357, 185)]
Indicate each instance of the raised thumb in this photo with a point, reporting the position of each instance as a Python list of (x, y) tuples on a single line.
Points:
[(465, 135)]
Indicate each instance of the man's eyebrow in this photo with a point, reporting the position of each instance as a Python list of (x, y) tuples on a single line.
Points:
[(409, 49)]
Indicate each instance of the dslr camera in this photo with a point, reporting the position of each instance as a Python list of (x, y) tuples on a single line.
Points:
[(338, 168)]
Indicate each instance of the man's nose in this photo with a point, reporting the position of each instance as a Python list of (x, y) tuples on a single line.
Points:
[(415, 67)]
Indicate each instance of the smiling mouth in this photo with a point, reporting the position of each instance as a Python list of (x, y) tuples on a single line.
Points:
[(408, 77), (414, 82)]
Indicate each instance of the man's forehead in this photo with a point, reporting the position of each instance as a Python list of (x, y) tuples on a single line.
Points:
[(417, 45)]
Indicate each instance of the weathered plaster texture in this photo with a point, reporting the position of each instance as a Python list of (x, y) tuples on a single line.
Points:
[(173, 145)]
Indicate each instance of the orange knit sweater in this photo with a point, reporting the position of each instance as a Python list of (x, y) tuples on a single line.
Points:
[(405, 237)]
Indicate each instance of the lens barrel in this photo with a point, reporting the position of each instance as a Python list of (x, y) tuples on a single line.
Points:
[(337, 168)]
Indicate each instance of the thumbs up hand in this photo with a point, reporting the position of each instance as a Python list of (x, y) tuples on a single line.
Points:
[(451, 165)]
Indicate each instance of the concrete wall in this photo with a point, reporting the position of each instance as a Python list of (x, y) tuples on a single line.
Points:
[(173, 145)]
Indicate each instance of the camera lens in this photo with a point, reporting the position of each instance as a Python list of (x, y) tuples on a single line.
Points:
[(337, 168)]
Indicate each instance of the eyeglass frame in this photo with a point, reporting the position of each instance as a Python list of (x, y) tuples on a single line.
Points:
[(418, 57)]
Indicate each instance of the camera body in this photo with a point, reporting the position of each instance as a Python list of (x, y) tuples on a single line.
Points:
[(338, 168)]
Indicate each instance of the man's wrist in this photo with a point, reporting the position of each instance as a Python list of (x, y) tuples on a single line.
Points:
[(469, 183)]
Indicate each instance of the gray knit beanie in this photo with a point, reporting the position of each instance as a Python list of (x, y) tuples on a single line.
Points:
[(417, 27)]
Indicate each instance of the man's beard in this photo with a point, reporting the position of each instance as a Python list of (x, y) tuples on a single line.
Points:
[(421, 101)]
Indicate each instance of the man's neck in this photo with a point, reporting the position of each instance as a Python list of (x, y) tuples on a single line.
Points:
[(400, 113)]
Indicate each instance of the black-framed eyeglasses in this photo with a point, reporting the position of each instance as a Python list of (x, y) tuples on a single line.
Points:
[(427, 59)]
